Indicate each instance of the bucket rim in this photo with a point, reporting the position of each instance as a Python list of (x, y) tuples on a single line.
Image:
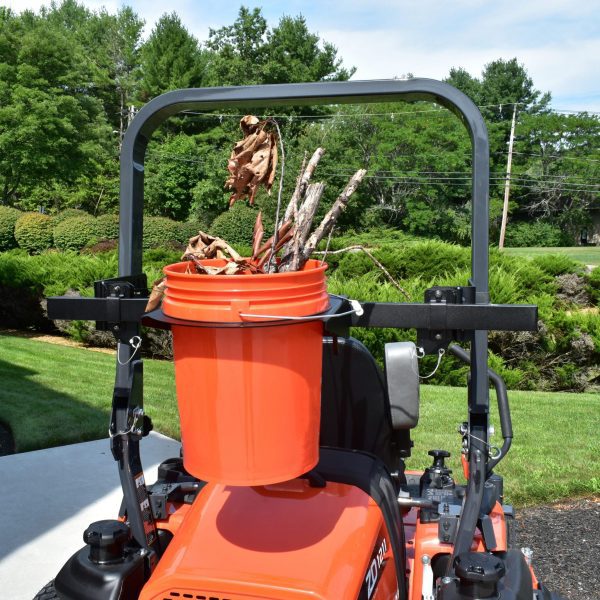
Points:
[(314, 266)]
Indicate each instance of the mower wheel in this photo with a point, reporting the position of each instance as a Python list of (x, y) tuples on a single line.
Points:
[(47, 593)]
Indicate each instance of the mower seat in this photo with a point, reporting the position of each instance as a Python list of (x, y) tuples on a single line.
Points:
[(355, 407)]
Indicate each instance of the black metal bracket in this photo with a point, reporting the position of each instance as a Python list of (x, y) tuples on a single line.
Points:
[(438, 336), (119, 288), (116, 301), (448, 317)]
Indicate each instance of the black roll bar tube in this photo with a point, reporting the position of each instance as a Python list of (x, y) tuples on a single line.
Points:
[(503, 406)]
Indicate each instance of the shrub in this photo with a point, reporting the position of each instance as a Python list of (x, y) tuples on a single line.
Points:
[(75, 232), (236, 225), (33, 232), (101, 246), (593, 288), (426, 259), (556, 264), (8, 218), (432, 258), (189, 229), (107, 227), (68, 213), (537, 233), (160, 231)]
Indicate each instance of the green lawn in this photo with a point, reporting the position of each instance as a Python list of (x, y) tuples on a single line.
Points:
[(53, 395), (588, 255)]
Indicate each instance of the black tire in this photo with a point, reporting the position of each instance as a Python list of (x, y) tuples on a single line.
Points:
[(47, 593)]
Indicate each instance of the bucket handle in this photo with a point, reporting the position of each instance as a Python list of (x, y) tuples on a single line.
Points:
[(357, 309)]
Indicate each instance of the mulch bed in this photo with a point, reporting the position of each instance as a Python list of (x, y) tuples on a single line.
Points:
[(565, 538)]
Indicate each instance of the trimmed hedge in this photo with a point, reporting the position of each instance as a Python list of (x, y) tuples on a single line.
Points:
[(107, 227), (69, 213), (236, 225), (160, 231), (189, 229), (75, 233), (8, 218), (33, 232)]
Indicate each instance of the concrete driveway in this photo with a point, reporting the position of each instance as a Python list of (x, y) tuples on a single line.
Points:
[(49, 497)]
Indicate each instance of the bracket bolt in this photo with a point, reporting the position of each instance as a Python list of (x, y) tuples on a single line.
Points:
[(425, 559)]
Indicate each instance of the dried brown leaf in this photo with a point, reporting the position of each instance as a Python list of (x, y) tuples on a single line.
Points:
[(156, 295), (253, 160)]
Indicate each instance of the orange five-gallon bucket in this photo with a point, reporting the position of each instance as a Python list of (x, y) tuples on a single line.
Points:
[(248, 388)]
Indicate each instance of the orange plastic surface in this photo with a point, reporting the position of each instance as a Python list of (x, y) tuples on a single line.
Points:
[(249, 401), (286, 541), (221, 298), (249, 397)]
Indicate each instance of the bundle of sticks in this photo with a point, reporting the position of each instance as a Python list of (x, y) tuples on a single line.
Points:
[(252, 164), (295, 237)]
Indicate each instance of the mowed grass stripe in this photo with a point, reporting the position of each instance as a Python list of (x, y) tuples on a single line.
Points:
[(52, 395), (588, 255)]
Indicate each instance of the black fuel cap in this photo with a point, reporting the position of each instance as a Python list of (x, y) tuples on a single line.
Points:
[(479, 574), (107, 540)]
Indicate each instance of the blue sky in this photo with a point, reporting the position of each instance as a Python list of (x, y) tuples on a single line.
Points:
[(558, 41)]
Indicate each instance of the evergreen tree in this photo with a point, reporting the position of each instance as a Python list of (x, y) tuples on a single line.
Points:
[(248, 52), (171, 58)]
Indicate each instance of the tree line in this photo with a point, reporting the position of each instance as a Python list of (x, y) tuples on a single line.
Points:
[(71, 79)]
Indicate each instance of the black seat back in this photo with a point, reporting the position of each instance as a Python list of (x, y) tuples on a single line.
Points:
[(355, 410)]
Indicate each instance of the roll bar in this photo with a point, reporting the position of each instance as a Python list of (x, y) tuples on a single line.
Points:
[(161, 108), (120, 302)]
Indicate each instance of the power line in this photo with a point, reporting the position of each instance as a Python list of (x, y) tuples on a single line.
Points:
[(178, 157), (437, 175), (391, 114), (552, 156)]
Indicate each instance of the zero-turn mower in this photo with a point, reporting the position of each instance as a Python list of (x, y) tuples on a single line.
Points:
[(335, 515)]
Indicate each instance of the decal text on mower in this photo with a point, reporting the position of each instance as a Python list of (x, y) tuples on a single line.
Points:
[(373, 574)]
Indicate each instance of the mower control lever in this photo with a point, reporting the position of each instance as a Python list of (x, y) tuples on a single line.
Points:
[(438, 458)]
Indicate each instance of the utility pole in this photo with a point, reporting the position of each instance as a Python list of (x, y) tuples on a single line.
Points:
[(507, 182)]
